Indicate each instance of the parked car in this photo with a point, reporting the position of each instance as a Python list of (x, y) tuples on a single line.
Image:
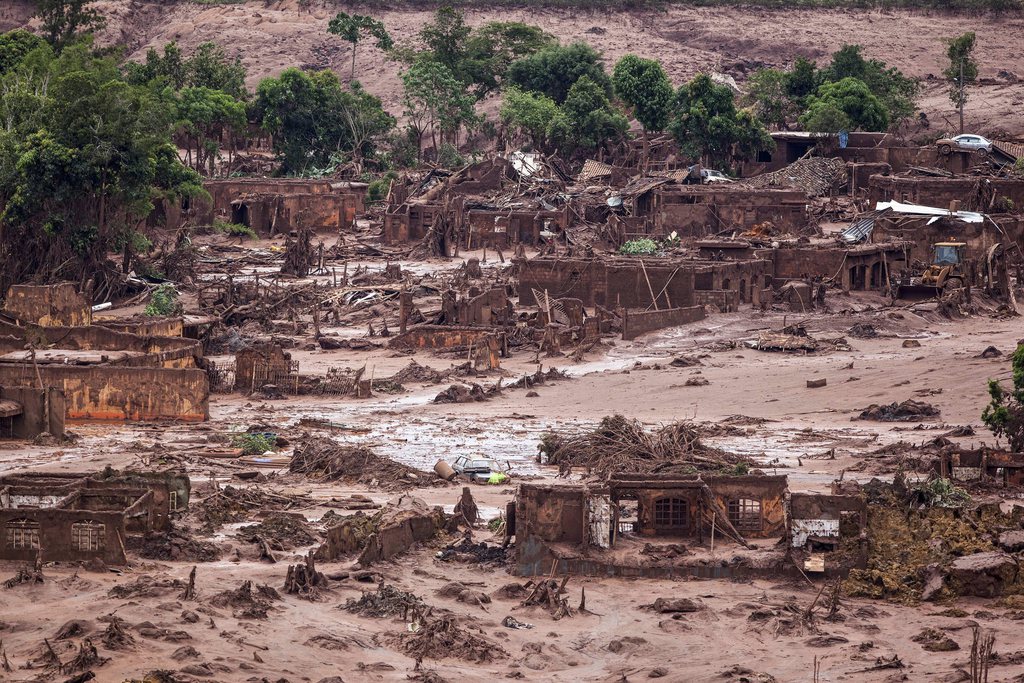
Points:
[(476, 469), (974, 143), (708, 176)]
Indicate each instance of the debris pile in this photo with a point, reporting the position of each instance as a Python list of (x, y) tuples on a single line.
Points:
[(622, 445), (443, 637), (327, 459), (907, 411), (388, 601), (247, 602), (304, 580)]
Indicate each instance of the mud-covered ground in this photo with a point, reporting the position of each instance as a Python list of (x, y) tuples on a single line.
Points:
[(743, 630)]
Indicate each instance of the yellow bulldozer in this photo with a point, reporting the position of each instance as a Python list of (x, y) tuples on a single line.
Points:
[(948, 269)]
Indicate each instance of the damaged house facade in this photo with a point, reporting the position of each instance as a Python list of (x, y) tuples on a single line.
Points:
[(274, 206), (666, 526), (72, 518)]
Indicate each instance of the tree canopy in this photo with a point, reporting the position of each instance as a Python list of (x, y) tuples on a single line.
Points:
[(314, 120), (844, 105), (554, 70), (355, 27), (643, 85), (82, 158), (708, 126)]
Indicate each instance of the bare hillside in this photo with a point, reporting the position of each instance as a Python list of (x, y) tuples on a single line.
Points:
[(271, 36)]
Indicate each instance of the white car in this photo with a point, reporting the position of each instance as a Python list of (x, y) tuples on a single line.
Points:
[(966, 142), (708, 176)]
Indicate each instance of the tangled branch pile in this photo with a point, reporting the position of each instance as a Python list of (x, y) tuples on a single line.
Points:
[(327, 459), (443, 638), (621, 445)]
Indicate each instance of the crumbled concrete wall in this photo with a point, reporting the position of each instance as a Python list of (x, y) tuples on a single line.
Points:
[(636, 323), (939, 192), (48, 305), (120, 393), (43, 411)]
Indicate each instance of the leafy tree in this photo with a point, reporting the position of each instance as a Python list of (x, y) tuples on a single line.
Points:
[(767, 94), (83, 154), (210, 67), (169, 68), (310, 117), (962, 70), (492, 48), (802, 80), (14, 46), (436, 101), (446, 39), (1004, 415), (895, 91), (533, 116), (850, 97), (708, 126), (643, 85), (554, 70), (64, 20), (588, 119), (355, 27), (203, 115)]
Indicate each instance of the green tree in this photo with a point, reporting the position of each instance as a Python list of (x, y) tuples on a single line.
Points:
[(708, 126), (203, 116), (436, 101), (83, 154), (1004, 415), (64, 20), (588, 119), (554, 70), (768, 96), (169, 67), (310, 115), (15, 46), (802, 80), (962, 70), (896, 92), (208, 67), (491, 49), (533, 116), (852, 98), (211, 67), (446, 39), (643, 85), (355, 27)]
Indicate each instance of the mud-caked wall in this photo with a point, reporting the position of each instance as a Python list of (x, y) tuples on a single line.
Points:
[(118, 393), (48, 305)]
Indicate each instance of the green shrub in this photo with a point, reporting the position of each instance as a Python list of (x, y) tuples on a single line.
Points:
[(639, 247), (253, 444), (234, 229), (163, 301)]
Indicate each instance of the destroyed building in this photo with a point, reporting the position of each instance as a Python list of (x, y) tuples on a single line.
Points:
[(108, 375), (73, 518), (580, 529), (275, 206)]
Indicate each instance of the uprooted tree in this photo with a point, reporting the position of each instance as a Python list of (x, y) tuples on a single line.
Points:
[(1004, 414)]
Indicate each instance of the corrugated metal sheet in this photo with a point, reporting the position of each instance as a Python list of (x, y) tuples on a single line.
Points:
[(861, 228)]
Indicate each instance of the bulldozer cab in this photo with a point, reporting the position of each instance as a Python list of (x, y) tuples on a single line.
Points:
[(948, 253)]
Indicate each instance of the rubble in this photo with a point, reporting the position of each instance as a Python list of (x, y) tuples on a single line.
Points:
[(906, 411), (621, 445), (327, 459)]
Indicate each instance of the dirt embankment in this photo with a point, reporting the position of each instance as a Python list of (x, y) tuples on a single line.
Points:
[(271, 36)]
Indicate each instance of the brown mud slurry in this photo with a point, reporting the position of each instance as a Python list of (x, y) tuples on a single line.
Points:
[(757, 630)]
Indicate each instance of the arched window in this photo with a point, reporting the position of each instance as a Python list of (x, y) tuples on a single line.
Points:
[(670, 513), (88, 536), (745, 514), (21, 534)]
